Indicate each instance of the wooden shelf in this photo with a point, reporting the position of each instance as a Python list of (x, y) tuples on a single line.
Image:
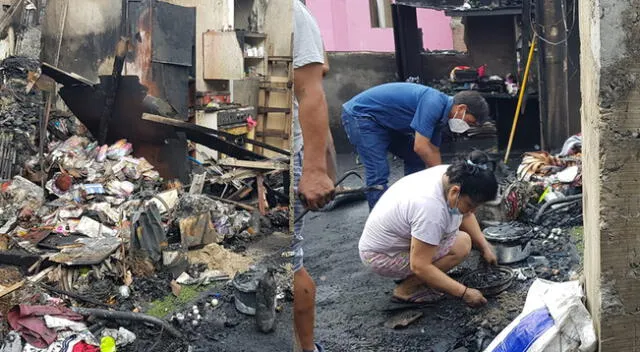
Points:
[(280, 58)]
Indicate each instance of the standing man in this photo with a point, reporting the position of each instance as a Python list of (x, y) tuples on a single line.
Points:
[(314, 168), (406, 119)]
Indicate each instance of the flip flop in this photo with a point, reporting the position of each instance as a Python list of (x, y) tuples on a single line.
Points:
[(420, 298), (392, 307)]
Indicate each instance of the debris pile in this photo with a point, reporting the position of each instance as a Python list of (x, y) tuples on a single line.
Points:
[(93, 226), (19, 114)]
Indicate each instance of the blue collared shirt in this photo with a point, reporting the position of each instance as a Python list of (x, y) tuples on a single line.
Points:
[(405, 108)]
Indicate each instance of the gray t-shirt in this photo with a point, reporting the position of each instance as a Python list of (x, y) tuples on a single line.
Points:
[(307, 49)]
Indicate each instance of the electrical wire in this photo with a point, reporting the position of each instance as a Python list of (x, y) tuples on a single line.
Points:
[(568, 31)]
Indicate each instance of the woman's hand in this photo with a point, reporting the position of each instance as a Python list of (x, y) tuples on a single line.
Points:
[(488, 255), (474, 298)]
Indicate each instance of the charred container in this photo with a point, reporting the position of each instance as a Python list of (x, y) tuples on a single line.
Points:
[(511, 241)]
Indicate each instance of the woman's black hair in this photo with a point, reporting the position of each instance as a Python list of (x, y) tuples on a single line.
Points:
[(476, 178)]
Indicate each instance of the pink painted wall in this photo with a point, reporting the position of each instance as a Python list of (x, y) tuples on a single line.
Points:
[(346, 26)]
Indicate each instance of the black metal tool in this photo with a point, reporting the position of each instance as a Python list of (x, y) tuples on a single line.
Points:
[(342, 192)]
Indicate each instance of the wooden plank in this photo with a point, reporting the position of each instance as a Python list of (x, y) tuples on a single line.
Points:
[(280, 58), (36, 278), (237, 174), (7, 290), (223, 57), (262, 195), (261, 165), (278, 25)]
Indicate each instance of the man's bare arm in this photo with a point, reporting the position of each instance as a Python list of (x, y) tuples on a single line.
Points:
[(428, 152), (313, 114), (332, 163)]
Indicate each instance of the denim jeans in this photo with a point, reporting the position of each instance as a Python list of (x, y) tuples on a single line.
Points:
[(372, 142)]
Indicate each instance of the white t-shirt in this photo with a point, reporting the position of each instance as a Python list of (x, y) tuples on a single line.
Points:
[(414, 206), (307, 49)]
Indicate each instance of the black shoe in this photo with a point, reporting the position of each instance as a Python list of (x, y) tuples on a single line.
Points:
[(266, 302)]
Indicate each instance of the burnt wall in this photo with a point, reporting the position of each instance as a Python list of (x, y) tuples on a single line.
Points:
[(491, 40), (438, 66), (91, 31), (350, 74)]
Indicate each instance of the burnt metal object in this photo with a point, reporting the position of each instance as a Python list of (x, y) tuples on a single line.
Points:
[(208, 137), (490, 282), (164, 53), (355, 191), (172, 40), (85, 100), (112, 94), (65, 78), (117, 315), (570, 199), (511, 241)]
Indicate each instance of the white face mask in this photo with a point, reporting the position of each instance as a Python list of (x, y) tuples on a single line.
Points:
[(457, 125)]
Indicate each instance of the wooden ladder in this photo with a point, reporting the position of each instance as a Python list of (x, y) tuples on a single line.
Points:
[(277, 103)]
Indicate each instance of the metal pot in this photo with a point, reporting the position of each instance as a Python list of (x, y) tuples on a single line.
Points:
[(245, 286), (511, 241)]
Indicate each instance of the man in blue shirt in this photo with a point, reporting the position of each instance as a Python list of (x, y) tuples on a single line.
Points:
[(406, 119)]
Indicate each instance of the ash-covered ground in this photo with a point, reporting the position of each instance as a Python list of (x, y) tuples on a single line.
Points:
[(352, 303)]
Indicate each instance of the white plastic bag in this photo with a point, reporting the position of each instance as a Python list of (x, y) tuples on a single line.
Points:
[(553, 319)]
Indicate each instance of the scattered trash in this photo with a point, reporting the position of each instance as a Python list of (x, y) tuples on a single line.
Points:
[(204, 278), (403, 319), (554, 318), (29, 322), (122, 336), (12, 343)]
